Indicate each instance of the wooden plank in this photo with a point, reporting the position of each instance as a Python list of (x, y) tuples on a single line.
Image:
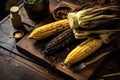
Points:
[(34, 49), (14, 67), (31, 49), (83, 74)]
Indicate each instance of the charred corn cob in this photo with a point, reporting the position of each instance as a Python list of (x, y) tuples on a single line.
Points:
[(82, 51), (49, 29), (59, 42)]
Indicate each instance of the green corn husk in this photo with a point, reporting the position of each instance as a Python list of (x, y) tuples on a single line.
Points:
[(101, 21), (111, 75), (102, 24), (101, 33), (77, 19), (32, 1)]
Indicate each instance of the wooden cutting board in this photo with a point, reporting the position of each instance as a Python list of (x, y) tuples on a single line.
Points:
[(34, 49)]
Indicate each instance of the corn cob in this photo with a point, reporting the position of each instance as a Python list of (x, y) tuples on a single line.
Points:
[(50, 29), (83, 50), (59, 42), (81, 18)]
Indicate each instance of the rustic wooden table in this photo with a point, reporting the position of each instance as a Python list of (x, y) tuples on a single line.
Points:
[(14, 65)]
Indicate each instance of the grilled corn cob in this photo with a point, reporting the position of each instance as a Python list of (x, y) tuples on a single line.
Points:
[(49, 29), (83, 50), (59, 42)]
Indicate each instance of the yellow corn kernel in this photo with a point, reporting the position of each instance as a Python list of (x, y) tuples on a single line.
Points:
[(49, 29), (83, 50)]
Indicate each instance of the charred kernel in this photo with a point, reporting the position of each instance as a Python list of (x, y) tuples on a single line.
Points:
[(59, 42)]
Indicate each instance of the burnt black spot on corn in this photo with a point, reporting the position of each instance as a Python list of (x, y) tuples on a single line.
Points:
[(59, 42)]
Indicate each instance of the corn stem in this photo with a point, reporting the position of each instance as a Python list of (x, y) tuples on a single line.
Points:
[(111, 75)]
